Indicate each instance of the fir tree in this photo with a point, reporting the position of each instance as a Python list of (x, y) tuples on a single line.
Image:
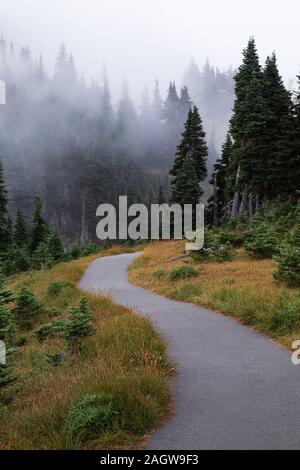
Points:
[(26, 309), (222, 183), (20, 231), (6, 297), (193, 144), (55, 246), (3, 210), (248, 126), (186, 187), (79, 325), (7, 376), (160, 197), (39, 227), (8, 233), (281, 163)]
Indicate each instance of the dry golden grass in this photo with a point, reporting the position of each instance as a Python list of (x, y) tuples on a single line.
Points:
[(243, 288), (125, 357)]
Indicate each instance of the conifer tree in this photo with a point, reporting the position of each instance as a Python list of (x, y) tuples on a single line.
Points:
[(20, 231), (160, 197), (39, 227), (247, 127), (27, 308), (8, 233), (55, 246), (193, 144), (3, 210), (221, 182), (6, 297), (185, 187), (7, 377), (281, 162), (171, 104), (79, 325)]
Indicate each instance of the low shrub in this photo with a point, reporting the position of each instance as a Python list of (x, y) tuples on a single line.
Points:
[(51, 330), (262, 240), (224, 252), (56, 287), (27, 308), (288, 265)]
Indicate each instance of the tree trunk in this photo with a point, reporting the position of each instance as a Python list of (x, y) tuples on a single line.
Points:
[(250, 205), (235, 205), (257, 202), (215, 201), (236, 199), (243, 206), (84, 232)]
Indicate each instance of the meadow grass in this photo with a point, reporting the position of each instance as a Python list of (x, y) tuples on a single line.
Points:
[(125, 358), (243, 288)]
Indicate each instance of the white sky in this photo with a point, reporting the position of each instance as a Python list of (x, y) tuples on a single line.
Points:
[(143, 39)]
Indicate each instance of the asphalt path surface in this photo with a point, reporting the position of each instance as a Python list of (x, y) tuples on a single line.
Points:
[(234, 388)]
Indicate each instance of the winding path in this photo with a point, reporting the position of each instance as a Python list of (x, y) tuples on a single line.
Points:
[(234, 389)]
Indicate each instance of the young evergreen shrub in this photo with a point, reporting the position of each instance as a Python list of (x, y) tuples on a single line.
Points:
[(183, 272), (288, 265), (6, 320), (262, 240), (21, 259), (78, 325), (56, 287), (51, 330), (42, 258), (74, 252), (7, 375), (55, 247), (91, 417), (234, 237), (89, 249), (224, 252), (26, 309)]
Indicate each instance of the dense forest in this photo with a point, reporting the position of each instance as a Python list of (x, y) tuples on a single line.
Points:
[(260, 159), (72, 149), (69, 142)]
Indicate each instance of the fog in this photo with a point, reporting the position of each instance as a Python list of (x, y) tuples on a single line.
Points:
[(140, 39), (78, 143)]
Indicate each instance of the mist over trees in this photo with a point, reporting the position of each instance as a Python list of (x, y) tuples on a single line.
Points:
[(212, 91), (66, 140)]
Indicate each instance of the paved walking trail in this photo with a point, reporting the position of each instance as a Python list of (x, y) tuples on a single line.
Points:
[(234, 388)]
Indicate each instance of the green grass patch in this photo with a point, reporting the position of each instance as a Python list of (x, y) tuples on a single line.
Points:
[(183, 272)]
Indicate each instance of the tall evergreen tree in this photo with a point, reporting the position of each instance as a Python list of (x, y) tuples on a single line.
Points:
[(185, 187), (281, 163), (20, 231), (3, 210), (193, 143), (8, 234), (221, 182), (39, 227), (248, 126), (190, 162)]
